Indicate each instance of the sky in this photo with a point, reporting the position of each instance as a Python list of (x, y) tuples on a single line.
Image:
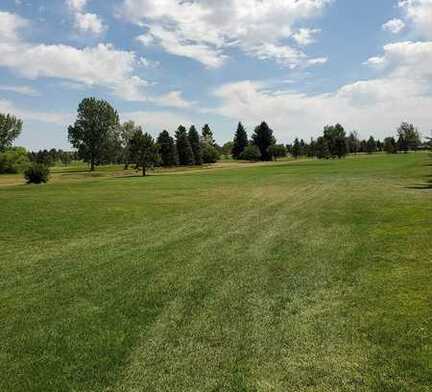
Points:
[(297, 64)]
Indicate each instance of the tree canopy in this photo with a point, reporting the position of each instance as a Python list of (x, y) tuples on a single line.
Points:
[(263, 138), (144, 151), (10, 129), (240, 141)]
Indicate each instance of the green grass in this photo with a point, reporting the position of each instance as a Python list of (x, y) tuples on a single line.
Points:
[(293, 276)]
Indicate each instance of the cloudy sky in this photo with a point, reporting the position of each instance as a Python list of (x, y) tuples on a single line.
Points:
[(298, 64)]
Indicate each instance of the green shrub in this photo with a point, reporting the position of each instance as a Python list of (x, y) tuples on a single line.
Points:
[(13, 160), (251, 153), (37, 174), (209, 153)]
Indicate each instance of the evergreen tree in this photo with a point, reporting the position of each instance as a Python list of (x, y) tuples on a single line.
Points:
[(127, 131), (251, 153), (209, 153), (278, 151), (240, 141), (144, 151), (207, 135), (194, 141), (371, 145), (296, 149), (167, 149), (322, 148), (184, 149), (263, 139), (353, 143)]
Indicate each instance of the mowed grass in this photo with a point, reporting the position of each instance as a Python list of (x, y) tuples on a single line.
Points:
[(293, 276)]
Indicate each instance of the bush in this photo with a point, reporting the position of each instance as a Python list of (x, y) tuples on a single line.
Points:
[(37, 174), (209, 153), (251, 153), (13, 160)]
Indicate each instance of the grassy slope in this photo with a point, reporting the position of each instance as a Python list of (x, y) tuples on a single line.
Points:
[(308, 276)]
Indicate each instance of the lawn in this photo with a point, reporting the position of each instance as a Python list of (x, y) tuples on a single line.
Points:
[(291, 276)]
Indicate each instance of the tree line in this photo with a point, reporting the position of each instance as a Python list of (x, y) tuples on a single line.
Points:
[(99, 137)]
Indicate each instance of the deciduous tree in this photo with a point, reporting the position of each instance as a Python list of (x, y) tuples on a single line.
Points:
[(144, 151), (263, 138), (10, 129)]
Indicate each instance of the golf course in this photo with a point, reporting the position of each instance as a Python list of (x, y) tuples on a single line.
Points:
[(296, 275)]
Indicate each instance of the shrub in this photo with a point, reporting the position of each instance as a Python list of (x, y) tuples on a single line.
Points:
[(13, 160), (251, 153), (37, 174), (209, 153)]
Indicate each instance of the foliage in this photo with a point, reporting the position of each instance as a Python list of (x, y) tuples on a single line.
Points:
[(144, 151), (227, 148), (240, 141), (13, 160), (408, 137), (194, 141), (251, 153), (209, 153), (207, 135), (127, 131), (353, 142), (278, 151), (10, 129), (184, 149), (297, 149), (322, 148), (263, 138), (37, 173), (167, 149), (95, 131), (371, 145), (336, 140), (390, 145)]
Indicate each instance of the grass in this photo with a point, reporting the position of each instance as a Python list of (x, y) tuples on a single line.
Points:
[(293, 276)]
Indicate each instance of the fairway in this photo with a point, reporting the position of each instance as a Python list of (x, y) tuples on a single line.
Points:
[(308, 275)]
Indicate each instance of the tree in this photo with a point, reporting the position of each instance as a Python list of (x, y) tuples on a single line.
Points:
[(207, 135), (390, 145), (227, 148), (195, 144), (144, 151), (353, 143), (10, 129), (127, 131), (92, 131), (251, 153), (263, 139), (240, 141), (209, 153), (13, 160), (184, 149), (167, 149), (322, 148), (296, 150), (409, 137), (278, 151), (371, 145), (336, 140)]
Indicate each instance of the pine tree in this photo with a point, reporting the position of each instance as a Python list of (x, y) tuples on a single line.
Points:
[(371, 145), (240, 141), (167, 149), (195, 144), (296, 149), (207, 135), (322, 148), (184, 149), (144, 151), (263, 139)]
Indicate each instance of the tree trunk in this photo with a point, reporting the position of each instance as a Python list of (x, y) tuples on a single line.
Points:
[(92, 165), (144, 171)]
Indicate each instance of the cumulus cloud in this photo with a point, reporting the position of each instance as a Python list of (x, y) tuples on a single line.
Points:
[(102, 65), (85, 22), (205, 30), (375, 106), (394, 26), (419, 12)]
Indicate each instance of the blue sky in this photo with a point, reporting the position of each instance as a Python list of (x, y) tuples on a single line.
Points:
[(298, 64)]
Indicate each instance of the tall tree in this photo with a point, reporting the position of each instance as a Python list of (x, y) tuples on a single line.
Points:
[(144, 151), (371, 145), (353, 143), (194, 141), (336, 140), (167, 149), (10, 129), (240, 141), (390, 145), (92, 131), (263, 138), (127, 131), (296, 149), (207, 135), (322, 148), (184, 149), (409, 137)]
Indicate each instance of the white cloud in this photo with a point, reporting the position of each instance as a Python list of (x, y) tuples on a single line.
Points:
[(173, 99), (205, 30), (23, 90), (373, 106), (394, 26), (419, 12), (85, 22)]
